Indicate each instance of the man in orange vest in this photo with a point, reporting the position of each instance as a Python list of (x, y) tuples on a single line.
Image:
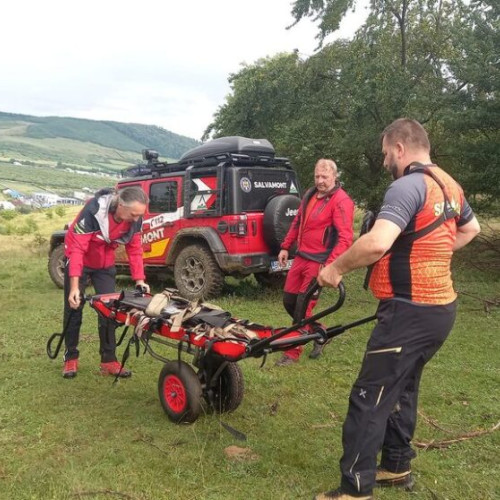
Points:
[(424, 218)]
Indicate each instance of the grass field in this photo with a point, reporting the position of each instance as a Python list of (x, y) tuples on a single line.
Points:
[(88, 439)]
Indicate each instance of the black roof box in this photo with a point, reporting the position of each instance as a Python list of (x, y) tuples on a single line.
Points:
[(232, 145)]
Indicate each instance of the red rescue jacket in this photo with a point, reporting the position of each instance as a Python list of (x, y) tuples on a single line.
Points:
[(328, 230), (94, 235)]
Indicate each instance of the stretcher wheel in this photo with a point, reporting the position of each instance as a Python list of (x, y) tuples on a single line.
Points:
[(228, 389), (180, 392)]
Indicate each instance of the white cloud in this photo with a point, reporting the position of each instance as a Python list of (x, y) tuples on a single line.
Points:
[(156, 61)]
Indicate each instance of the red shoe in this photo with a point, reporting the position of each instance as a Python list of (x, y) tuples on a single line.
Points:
[(70, 368), (114, 368)]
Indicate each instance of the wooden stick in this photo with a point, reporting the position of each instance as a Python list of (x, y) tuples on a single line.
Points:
[(447, 442)]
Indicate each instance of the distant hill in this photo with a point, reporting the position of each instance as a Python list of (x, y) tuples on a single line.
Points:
[(105, 145)]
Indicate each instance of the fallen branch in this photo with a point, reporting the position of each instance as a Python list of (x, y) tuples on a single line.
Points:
[(102, 492), (487, 303), (433, 423), (150, 443), (447, 442)]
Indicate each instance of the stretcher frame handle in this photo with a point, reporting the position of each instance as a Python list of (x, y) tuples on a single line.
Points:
[(257, 349)]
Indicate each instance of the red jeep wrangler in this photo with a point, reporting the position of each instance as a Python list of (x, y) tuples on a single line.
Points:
[(223, 209)]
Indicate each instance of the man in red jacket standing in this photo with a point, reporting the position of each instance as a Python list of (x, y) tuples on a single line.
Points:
[(323, 230), (107, 220)]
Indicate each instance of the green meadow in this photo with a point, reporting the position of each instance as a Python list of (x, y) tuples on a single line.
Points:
[(86, 438)]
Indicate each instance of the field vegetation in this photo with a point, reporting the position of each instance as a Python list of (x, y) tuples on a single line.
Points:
[(28, 179), (87, 438), (103, 146)]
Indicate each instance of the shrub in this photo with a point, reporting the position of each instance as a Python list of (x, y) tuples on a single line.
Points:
[(8, 214), (24, 209), (29, 227), (60, 210)]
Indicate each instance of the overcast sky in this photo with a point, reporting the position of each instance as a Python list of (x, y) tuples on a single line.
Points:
[(157, 62)]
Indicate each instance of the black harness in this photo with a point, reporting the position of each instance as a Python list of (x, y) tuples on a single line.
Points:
[(407, 238)]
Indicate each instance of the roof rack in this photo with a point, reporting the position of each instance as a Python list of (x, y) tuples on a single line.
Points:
[(156, 168), (236, 159)]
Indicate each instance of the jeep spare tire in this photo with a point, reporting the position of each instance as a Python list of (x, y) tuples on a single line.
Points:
[(278, 216)]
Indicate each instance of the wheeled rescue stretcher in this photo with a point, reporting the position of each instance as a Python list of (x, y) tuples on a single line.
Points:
[(215, 339)]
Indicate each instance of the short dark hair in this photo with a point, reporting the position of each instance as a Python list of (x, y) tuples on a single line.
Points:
[(131, 194), (408, 132)]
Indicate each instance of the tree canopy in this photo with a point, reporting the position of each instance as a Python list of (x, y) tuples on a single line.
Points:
[(433, 60)]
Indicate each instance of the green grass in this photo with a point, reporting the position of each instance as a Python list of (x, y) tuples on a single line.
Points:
[(84, 142), (86, 438), (29, 179)]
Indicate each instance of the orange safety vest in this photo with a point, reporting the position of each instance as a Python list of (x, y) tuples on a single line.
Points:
[(418, 265)]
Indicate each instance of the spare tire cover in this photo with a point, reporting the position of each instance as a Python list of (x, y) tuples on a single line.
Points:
[(278, 216)]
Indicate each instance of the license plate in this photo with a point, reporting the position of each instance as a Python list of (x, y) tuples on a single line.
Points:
[(276, 267)]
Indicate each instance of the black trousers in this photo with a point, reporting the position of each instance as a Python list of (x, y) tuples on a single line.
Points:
[(103, 281), (382, 410)]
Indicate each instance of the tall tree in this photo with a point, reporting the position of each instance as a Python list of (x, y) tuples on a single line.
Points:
[(432, 60), (446, 76)]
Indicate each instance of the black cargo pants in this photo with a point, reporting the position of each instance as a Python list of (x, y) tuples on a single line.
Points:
[(103, 281), (382, 410)]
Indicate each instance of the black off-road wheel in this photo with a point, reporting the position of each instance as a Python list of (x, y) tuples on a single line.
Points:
[(273, 281), (56, 265), (197, 275), (180, 392), (227, 391)]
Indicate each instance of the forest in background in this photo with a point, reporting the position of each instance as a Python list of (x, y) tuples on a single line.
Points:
[(437, 61)]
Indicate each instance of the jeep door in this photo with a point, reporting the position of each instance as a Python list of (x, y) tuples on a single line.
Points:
[(161, 220)]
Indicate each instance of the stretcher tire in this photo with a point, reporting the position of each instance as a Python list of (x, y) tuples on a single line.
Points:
[(228, 389), (180, 392)]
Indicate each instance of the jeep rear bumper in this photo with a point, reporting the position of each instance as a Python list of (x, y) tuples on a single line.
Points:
[(244, 263)]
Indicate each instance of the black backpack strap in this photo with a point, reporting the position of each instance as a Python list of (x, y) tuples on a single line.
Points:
[(406, 239)]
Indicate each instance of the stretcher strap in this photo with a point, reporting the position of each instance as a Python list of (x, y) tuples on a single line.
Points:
[(234, 330), (158, 302), (191, 310)]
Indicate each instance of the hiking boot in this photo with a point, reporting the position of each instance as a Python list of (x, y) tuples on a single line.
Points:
[(339, 495), (285, 361), (116, 369), (70, 368), (318, 349), (386, 479)]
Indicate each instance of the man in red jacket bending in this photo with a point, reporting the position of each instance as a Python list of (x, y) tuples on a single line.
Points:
[(107, 220), (322, 230)]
